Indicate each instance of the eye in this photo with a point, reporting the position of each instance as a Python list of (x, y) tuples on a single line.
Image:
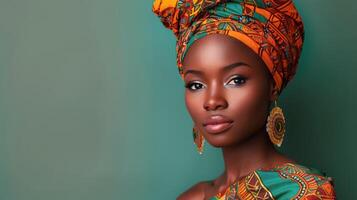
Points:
[(193, 86), (238, 80)]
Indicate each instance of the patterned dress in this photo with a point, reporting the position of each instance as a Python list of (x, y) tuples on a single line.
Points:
[(283, 182)]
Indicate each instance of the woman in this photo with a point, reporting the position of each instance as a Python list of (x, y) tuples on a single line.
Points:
[(235, 58)]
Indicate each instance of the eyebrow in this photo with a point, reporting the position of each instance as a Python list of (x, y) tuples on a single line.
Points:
[(225, 68)]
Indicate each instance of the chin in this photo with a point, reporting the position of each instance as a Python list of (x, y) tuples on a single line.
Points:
[(219, 141)]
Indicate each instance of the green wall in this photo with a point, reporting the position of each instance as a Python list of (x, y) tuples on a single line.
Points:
[(92, 107)]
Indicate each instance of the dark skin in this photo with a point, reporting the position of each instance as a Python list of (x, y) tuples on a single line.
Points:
[(243, 93)]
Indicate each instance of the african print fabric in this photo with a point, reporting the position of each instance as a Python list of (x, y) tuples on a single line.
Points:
[(286, 181), (271, 28)]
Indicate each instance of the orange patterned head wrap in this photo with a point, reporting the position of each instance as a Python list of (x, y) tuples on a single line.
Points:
[(271, 28)]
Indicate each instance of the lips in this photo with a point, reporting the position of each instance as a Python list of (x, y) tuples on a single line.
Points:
[(217, 124)]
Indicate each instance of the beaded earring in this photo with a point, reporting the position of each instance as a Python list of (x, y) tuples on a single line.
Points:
[(275, 125), (198, 139)]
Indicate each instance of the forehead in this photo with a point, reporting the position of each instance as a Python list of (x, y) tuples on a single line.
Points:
[(215, 51)]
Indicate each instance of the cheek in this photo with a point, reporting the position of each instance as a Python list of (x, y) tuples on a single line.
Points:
[(193, 104), (248, 105)]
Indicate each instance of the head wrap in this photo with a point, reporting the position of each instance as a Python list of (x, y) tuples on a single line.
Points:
[(273, 29)]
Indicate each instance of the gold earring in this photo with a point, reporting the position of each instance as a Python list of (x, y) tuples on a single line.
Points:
[(198, 139), (276, 125)]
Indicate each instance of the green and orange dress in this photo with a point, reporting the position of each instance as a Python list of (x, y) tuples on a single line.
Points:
[(284, 182)]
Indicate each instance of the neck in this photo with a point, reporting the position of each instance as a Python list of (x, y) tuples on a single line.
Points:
[(253, 153)]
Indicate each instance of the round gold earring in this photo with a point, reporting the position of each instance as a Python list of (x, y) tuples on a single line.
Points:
[(276, 125), (198, 139)]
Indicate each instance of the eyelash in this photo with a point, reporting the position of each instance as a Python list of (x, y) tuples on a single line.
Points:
[(188, 86)]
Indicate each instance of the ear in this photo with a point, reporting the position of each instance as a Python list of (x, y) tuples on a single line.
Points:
[(274, 92)]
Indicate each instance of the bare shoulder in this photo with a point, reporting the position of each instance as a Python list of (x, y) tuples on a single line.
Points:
[(195, 192)]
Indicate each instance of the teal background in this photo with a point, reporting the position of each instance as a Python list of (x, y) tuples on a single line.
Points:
[(92, 107)]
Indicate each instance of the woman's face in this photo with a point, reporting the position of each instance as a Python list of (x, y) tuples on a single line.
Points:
[(225, 80)]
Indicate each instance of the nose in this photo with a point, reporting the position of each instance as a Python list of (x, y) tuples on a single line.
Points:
[(215, 99)]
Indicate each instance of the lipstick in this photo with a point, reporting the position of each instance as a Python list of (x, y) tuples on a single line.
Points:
[(217, 124)]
